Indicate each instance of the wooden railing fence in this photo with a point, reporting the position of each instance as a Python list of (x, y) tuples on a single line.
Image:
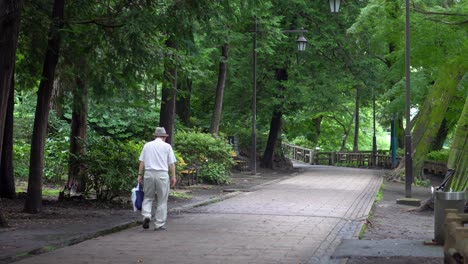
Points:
[(382, 159)]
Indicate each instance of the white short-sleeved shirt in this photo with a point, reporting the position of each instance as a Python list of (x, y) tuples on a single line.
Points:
[(157, 155)]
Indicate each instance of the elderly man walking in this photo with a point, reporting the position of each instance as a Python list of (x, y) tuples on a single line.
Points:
[(157, 160)]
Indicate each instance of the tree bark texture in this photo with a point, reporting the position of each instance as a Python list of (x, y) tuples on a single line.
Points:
[(432, 113), (356, 121), (440, 137), (275, 125), (33, 203), (168, 97), (347, 130), (400, 133), (218, 107), (7, 180), (183, 108), (10, 11), (317, 126), (76, 169), (458, 157)]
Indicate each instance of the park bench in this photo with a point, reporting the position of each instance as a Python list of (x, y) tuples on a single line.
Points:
[(189, 174)]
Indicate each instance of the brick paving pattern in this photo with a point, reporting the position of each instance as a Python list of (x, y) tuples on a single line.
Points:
[(300, 219)]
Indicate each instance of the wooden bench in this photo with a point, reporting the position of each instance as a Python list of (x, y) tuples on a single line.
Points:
[(190, 174)]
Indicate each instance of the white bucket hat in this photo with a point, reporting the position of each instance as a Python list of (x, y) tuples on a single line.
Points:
[(160, 132)]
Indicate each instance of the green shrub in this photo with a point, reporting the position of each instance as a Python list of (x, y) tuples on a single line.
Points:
[(56, 155), (112, 166), (55, 160), (440, 155), (212, 155), (21, 154)]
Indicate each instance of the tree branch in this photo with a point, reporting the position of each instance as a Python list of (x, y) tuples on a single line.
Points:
[(97, 21)]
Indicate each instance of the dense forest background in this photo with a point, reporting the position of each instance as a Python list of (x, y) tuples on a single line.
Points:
[(84, 83)]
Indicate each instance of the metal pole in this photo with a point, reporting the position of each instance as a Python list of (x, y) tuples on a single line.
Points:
[(374, 139), (408, 158), (254, 103)]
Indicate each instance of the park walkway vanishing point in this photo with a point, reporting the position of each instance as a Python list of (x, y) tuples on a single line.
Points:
[(301, 219)]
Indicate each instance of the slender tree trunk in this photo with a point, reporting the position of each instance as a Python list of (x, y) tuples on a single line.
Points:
[(317, 127), (183, 102), (275, 125), (432, 113), (458, 157), (168, 96), (346, 134), (7, 180), (33, 203), (439, 139), (356, 121), (400, 133), (10, 11), (218, 108), (76, 169), (275, 128)]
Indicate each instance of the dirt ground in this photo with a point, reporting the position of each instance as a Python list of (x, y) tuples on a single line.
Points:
[(70, 222), (395, 221)]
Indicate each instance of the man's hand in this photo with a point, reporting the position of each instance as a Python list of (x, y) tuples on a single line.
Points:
[(173, 181), (140, 179)]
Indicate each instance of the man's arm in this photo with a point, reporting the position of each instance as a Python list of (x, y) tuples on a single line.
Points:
[(172, 174), (141, 168)]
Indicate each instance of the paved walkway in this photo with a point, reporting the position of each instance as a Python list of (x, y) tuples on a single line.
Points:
[(301, 219)]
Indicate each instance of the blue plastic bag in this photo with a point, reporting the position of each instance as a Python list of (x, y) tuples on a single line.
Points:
[(137, 197)]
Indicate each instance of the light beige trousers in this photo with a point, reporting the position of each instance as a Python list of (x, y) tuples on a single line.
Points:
[(156, 183)]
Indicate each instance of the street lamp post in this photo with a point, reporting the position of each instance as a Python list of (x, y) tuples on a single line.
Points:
[(253, 166), (301, 46), (374, 139), (408, 158)]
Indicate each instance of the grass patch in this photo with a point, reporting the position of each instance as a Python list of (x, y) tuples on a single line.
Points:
[(180, 195), (363, 230), (379, 195), (378, 198), (51, 192)]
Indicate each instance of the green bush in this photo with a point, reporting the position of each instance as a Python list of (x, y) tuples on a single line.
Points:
[(440, 155), (112, 166), (212, 155), (55, 160), (21, 154)]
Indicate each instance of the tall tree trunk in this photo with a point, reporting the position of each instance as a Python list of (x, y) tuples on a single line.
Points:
[(400, 133), (7, 180), (356, 121), (432, 113), (183, 107), (3, 221), (275, 125), (439, 139), (33, 203), (458, 157), (76, 169), (168, 96), (10, 11), (218, 108), (346, 134), (317, 127)]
